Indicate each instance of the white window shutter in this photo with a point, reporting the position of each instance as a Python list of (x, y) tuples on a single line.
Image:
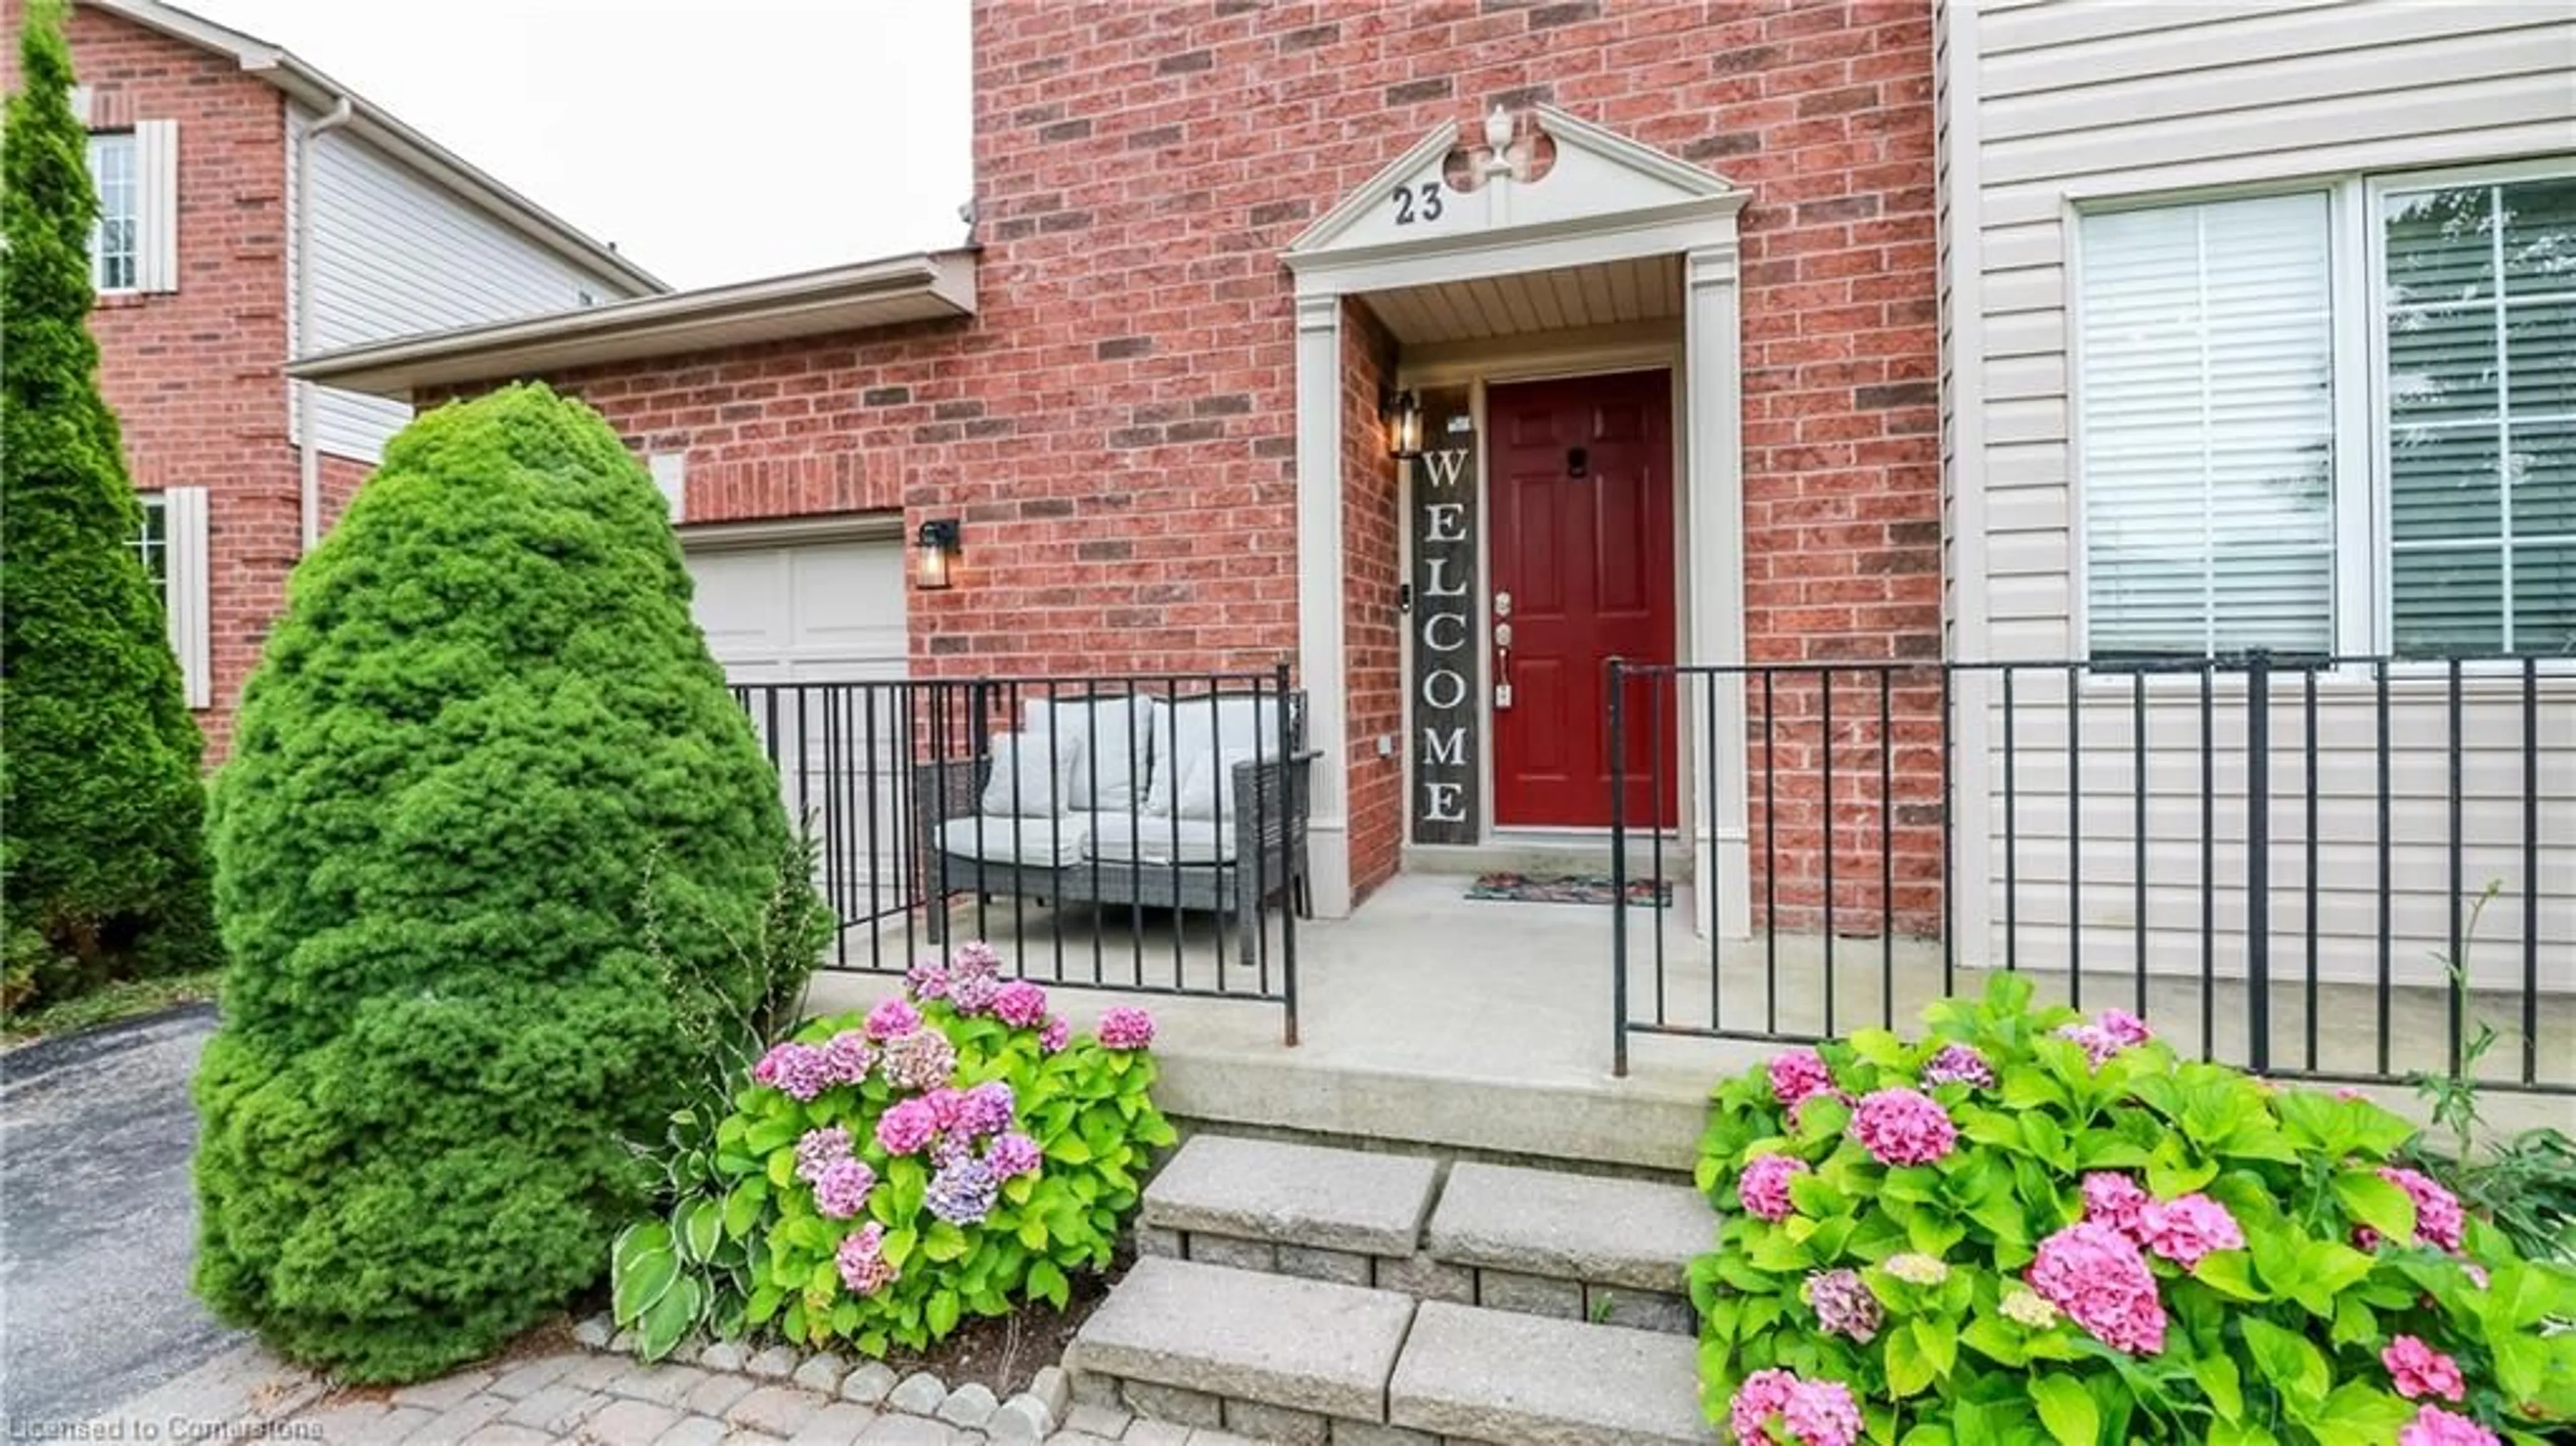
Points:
[(671, 475), (190, 615), (156, 169)]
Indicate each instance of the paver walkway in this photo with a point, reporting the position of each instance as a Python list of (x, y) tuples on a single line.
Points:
[(572, 1395)]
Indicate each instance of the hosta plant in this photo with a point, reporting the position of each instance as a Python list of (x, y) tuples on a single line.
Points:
[(2031, 1227), (886, 1175)]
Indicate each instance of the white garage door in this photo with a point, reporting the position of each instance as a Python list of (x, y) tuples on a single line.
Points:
[(802, 627), (824, 611)]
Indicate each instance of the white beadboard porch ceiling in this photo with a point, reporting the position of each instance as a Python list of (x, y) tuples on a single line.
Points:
[(1645, 289)]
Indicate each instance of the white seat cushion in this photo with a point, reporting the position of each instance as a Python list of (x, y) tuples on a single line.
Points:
[(1107, 746), (1039, 843), (1146, 838)]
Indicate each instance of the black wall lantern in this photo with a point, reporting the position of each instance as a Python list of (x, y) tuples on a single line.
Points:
[(934, 555), (1402, 412)]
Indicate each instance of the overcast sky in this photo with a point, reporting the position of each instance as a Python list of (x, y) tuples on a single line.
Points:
[(711, 142)]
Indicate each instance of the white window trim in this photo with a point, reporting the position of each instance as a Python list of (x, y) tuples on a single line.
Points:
[(2364, 622), (98, 226), (2373, 191)]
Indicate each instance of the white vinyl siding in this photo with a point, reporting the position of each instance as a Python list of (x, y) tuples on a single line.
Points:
[(395, 255), (2086, 111), (2207, 398)]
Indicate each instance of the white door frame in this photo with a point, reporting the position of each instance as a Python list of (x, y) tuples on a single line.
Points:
[(1606, 199)]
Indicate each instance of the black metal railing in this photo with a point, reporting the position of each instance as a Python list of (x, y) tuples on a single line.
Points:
[(2338, 868), (1132, 833)]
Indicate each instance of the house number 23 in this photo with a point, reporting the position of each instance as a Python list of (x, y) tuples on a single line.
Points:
[(1417, 203)]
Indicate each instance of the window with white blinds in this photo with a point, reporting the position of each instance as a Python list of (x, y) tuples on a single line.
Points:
[(2206, 417), (2477, 305), (115, 240)]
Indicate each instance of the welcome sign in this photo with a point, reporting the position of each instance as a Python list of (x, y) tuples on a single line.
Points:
[(1442, 520)]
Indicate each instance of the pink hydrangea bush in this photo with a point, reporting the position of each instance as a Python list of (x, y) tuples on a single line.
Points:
[(951, 1151), (2035, 1226)]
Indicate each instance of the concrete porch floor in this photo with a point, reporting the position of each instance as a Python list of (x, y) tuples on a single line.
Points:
[(1431, 1019)]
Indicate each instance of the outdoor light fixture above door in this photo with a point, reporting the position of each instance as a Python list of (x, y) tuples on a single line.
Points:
[(934, 555), (1403, 415)]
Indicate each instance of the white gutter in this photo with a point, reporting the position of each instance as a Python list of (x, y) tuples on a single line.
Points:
[(309, 502)]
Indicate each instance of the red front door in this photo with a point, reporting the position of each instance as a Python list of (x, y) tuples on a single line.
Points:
[(1582, 543)]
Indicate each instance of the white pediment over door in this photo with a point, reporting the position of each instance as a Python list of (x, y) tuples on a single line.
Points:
[(1596, 181)]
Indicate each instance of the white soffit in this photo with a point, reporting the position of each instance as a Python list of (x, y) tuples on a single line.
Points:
[(1605, 293)]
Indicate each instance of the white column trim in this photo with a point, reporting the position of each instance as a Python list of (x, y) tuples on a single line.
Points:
[(1713, 458), (1969, 903), (1320, 664)]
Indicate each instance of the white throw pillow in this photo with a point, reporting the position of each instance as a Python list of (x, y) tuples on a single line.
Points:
[(1187, 728), (1106, 745), (1210, 776), (1028, 778)]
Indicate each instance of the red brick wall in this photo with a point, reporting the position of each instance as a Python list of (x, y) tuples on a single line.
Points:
[(1372, 629), (194, 374), (1116, 425)]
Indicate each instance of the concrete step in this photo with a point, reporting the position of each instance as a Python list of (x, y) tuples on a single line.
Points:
[(1500, 1376), (1580, 1247), (1265, 1356), (1349, 1201), (1625, 1244)]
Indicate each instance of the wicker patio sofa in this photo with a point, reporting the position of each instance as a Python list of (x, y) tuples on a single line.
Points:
[(1132, 839)]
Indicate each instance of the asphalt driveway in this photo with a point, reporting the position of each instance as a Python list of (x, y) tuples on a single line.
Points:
[(97, 1219)]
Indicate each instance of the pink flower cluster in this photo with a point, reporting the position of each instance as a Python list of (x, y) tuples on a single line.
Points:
[(2182, 1230), (1056, 1035), (841, 1189), (799, 1069), (1020, 1004), (2115, 1200), (819, 1148), (2438, 1217), (1776, 1408), (946, 1121), (893, 1019), (1798, 1073), (2434, 1426), (2187, 1228), (1958, 1064), (2110, 1032), (921, 1060), (861, 1260), (971, 981), (908, 1126), (1012, 1154), (1842, 1303), (2418, 1370), (1903, 1127), (1126, 1028), (1764, 1190), (2098, 1277)]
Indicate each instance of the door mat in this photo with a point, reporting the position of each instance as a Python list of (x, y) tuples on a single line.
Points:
[(1568, 889)]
